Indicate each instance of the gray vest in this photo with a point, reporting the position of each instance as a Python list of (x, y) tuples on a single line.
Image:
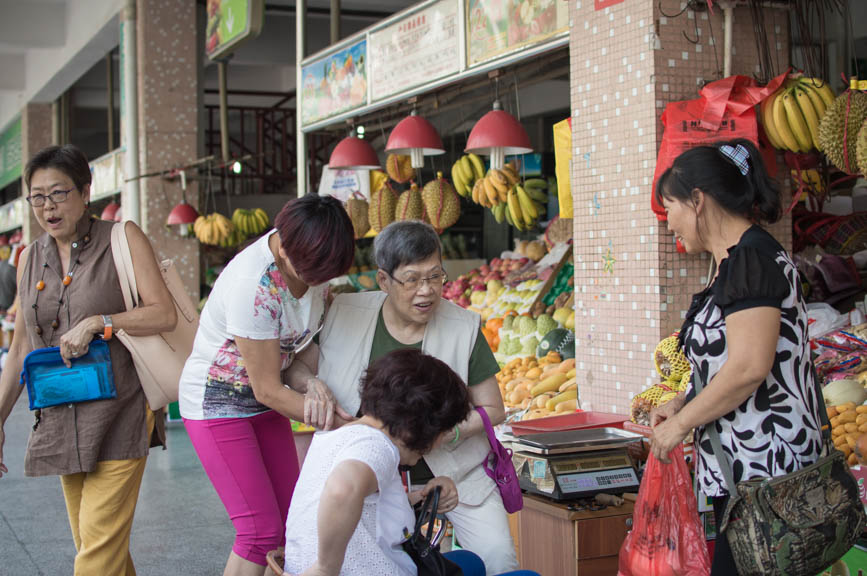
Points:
[(344, 351)]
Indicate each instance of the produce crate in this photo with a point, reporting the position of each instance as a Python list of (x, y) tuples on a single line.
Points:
[(573, 421)]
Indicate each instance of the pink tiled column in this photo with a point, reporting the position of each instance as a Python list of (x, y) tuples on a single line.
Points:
[(632, 288), (35, 135), (168, 123)]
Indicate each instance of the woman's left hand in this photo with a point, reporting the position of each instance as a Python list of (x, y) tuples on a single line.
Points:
[(666, 435), (320, 407), (76, 342), (448, 494)]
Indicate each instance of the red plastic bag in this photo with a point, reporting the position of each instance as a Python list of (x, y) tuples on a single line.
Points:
[(667, 537), (725, 111)]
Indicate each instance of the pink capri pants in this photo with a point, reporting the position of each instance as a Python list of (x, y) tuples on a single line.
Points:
[(253, 465)]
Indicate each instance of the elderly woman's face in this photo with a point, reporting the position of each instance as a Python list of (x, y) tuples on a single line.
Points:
[(57, 204), (416, 289)]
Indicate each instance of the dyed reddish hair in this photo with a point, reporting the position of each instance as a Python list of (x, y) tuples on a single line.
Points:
[(316, 234)]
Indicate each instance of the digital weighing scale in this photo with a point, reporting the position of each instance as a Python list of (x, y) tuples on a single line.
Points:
[(574, 464)]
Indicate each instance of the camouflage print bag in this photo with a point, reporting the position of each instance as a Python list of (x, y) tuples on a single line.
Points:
[(792, 525), (797, 524)]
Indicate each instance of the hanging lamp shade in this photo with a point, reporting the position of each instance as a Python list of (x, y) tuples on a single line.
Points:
[(354, 153), (182, 213), (110, 211), (415, 137), (498, 134)]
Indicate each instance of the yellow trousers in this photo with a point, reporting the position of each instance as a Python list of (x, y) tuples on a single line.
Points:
[(101, 505)]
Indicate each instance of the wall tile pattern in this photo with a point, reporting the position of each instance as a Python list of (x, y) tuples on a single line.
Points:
[(632, 287), (168, 123), (35, 135)]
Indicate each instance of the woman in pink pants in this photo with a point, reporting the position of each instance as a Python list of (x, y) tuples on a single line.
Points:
[(253, 352)]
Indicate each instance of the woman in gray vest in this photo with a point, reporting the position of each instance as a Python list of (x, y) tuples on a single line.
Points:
[(410, 312)]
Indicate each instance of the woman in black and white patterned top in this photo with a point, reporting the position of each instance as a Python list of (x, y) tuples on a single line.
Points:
[(745, 335)]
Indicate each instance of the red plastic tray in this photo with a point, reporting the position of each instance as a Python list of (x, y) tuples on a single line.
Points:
[(573, 421)]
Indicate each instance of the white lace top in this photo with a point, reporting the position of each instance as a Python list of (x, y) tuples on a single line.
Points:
[(375, 546)]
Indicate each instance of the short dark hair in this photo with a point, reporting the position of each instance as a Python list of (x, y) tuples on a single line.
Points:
[(417, 397), (405, 242), (68, 159), (317, 236), (753, 195)]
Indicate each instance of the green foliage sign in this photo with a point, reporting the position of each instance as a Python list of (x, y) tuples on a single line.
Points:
[(10, 154)]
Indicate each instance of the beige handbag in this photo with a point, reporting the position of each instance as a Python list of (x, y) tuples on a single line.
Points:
[(159, 358)]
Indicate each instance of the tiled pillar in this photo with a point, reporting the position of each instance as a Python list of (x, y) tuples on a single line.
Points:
[(632, 288), (35, 135), (168, 123)]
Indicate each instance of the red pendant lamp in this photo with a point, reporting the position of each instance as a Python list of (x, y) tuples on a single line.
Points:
[(110, 211), (182, 215), (415, 137), (497, 135), (353, 153)]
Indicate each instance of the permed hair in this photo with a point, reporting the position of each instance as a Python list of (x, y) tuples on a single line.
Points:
[(417, 397)]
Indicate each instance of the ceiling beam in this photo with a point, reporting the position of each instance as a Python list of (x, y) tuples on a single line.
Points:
[(33, 24)]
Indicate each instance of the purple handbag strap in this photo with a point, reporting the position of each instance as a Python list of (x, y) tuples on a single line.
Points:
[(492, 438)]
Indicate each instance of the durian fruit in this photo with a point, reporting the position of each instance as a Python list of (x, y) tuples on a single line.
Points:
[(861, 149), (441, 203), (835, 123), (399, 168), (383, 203), (377, 179), (358, 209), (410, 205)]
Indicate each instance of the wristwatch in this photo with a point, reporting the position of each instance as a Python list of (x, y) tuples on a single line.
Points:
[(106, 334)]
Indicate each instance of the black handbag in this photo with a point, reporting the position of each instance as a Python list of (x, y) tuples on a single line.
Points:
[(421, 547)]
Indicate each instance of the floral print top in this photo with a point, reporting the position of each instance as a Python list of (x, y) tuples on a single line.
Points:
[(250, 300)]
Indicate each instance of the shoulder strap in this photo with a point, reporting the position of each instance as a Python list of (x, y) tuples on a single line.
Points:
[(488, 428), (123, 263), (716, 443)]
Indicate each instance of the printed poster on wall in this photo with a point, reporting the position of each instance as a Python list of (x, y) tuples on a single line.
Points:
[(420, 48), (231, 22), (344, 184), (495, 27), (334, 84)]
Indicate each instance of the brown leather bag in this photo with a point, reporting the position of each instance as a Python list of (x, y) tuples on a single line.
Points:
[(159, 359)]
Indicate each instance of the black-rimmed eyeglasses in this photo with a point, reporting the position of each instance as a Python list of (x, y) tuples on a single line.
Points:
[(57, 197)]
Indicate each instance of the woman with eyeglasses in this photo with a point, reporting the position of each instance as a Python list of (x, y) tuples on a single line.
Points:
[(409, 312), (70, 293), (237, 390)]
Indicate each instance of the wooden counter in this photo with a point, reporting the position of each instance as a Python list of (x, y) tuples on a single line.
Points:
[(555, 541)]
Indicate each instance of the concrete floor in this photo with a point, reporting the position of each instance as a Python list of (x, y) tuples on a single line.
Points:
[(180, 524)]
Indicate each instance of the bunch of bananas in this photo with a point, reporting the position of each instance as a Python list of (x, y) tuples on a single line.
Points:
[(525, 203), (466, 171), (250, 222), (214, 229), (791, 115), (812, 180)]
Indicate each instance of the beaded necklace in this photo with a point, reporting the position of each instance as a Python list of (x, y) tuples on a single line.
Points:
[(66, 281)]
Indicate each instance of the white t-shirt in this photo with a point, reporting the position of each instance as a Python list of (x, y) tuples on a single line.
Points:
[(375, 546), (250, 300)]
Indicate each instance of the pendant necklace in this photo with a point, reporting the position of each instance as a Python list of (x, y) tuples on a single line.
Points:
[(66, 281)]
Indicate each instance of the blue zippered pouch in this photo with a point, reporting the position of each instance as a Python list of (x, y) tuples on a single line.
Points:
[(50, 383)]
